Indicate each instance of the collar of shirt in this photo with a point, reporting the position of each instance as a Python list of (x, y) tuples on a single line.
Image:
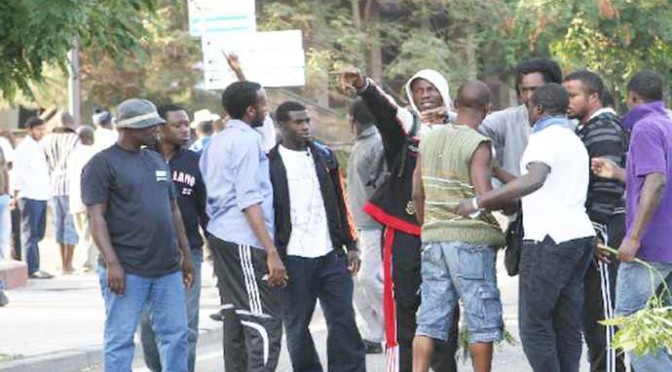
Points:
[(235, 123), (603, 110), (368, 132), (548, 121), (637, 113)]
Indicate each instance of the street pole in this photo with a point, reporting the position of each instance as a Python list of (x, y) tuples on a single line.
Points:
[(73, 83)]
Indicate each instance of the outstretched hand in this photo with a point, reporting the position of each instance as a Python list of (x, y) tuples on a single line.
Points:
[(232, 60), (604, 168), (351, 79)]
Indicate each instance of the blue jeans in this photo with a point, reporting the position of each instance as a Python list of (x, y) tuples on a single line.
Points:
[(633, 289), (64, 223), (33, 224), (164, 296), (459, 270), (193, 298)]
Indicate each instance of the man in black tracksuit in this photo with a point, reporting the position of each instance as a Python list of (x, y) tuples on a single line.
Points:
[(313, 231), (601, 131), (391, 205)]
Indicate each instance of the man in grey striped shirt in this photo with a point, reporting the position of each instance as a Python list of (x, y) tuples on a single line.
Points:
[(58, 145)]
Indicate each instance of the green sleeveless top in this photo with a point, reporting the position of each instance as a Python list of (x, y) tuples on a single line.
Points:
[(446, 175)]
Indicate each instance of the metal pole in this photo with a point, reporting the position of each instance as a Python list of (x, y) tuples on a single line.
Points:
[(73, 84)]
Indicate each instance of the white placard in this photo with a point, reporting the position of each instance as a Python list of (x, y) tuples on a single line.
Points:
[(222, 16), (273, 59)]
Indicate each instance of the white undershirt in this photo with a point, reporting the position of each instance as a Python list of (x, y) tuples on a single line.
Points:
[(310, 231)]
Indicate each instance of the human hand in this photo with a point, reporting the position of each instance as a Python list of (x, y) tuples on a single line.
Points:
[(116, 278), (351, 79), (433, 116), (628, 249), (187, 271), (354, 263), (277, 274), (465, 208), (604, 168), (232, 60)]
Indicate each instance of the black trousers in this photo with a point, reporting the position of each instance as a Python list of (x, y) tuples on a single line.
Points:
[(593, 308), (406, 278), (252, 314), (325, 278), (551, 302)]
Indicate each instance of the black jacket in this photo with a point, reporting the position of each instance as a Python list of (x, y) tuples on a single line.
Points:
[(391, 204), (341, 225)]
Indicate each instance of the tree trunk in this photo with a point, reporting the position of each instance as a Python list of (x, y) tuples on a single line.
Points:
[(374, 58)]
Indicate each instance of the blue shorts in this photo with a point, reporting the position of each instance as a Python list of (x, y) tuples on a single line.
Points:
[(64, 223), (456, 270)]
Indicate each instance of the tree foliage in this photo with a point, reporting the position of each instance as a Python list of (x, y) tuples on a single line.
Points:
[(38, 33), (612, 37)]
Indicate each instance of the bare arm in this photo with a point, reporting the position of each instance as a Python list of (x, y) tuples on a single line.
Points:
[(502, 175), (183, 244), (276, 269), (234, 63), (499, 198), (606, 168), (101, 236), (418, 194)]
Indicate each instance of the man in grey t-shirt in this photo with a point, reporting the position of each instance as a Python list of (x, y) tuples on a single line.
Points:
[(137, 226)]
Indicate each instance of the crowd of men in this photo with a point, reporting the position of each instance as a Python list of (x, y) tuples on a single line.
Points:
[(409, 241)]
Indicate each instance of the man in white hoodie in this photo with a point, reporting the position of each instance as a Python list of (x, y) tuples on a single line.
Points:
[(391, 205)]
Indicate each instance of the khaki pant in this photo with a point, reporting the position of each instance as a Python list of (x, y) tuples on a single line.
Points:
[(86, 240)]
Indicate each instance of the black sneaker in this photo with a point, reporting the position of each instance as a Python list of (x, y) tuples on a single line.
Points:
[(3, 298), (372, 347), (218, 316)]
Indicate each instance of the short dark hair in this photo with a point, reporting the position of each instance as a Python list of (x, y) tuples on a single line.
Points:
[(361, 113), (282, 112), (206, 127), (607, 99), (592, 81), (164, 109), (647, 84), (238, 96), (34, 122), (552, 98), (547, 67)]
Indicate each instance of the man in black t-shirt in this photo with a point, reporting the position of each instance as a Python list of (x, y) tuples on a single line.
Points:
[(137, 226)]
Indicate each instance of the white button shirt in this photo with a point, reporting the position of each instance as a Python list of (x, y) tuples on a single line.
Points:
[(30, 170)]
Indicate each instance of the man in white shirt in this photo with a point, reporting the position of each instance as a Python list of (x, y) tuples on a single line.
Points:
[(31, 192), (78, 158), (313, 230), (558, 246), (106, 135)]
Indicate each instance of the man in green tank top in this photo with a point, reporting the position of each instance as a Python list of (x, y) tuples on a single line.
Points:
[(458, 258)]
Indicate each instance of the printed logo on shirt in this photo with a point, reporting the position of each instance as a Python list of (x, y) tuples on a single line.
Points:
[(186, 180), (161, 176)]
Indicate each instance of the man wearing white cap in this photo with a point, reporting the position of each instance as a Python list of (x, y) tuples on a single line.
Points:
[(204, 126), (137, 226)]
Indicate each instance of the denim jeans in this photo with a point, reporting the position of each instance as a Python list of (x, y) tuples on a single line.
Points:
[(33, 225), (164, 297), (193, 298), (453, 271), (551, 302), (634, 287)]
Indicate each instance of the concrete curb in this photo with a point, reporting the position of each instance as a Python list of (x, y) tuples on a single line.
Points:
[(76, 360)]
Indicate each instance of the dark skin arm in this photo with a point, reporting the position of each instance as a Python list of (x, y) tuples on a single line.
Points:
[(502, 175), (521, 186), (234, 63), (649, 199), (418, 194), (277, 274), (183, 245), (116, 277)]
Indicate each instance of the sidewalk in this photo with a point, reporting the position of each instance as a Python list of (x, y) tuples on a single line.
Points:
[(57, 324)]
